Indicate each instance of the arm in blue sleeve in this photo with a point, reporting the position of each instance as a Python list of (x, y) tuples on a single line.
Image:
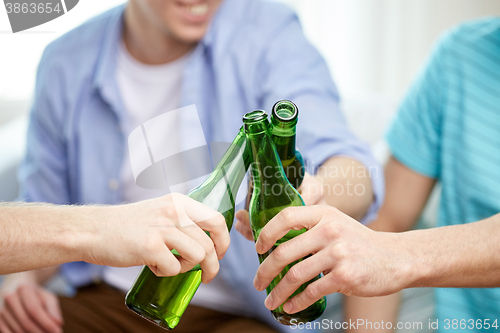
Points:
[(43, 174), (295, 70)]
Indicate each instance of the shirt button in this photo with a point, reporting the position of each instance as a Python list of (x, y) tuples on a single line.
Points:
[(113, 185)]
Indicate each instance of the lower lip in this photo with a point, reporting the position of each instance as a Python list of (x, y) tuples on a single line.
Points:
[(191, 18)]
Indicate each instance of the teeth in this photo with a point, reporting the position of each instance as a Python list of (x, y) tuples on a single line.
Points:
[(201, 9)]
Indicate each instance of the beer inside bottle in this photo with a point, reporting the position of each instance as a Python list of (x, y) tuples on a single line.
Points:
[(284, 119), (163, 300), (272, 193)]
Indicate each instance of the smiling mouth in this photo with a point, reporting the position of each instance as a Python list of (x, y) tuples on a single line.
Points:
[(200, 9)]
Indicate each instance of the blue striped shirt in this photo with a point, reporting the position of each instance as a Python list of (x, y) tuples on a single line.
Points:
[(448, 128)]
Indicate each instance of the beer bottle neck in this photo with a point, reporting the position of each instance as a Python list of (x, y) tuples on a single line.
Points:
[(266, 167), (284, 121), (220, 189)]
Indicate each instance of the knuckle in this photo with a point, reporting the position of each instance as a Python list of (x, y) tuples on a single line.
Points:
[(220, 221), (261, 275), (340, 251), (311, 292), (287, 214), (174, 269), (208, 245), (294, 275), (333, 252), (329, 232), (264, 236), (149, 247), (199, 255), (342, 276), (170, 211), (170, 269), (280, 253)]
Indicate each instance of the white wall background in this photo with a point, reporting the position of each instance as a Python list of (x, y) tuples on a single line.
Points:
[(377, 46)]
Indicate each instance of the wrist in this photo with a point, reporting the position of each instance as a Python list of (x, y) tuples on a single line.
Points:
[(80, 231), (89, 232), (418, 268)]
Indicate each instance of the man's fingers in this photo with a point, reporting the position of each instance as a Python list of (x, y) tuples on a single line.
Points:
[(191, 208), (219, 233), (243, 216), (165, 263), (5, 329), (299, 274), (51, 303), (8, 323), (243, 224), (242, 229), (311, 190), (190, 250), (15, 307), (32, 303), (286, 253), (210, 268), (208, 219), (311, 294), (291, 218), (210, 263)]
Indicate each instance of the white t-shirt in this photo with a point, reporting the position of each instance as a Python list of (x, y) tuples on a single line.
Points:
[(147, 92)]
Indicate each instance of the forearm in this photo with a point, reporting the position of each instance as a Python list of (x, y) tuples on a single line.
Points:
[(461, 256), (41, 235), (372, 309), (346, 185)]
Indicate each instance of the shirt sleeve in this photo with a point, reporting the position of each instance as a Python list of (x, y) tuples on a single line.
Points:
[(43, 172), (293, 69), (414, 137)]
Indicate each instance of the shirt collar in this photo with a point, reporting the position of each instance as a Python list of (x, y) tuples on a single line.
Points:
[(227, 17), (104, 80)]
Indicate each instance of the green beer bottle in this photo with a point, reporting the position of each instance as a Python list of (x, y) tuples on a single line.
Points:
[(272, 192), (163, 300), (284, 117)]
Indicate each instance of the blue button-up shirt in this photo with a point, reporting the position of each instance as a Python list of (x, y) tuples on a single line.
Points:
[(253, 54)]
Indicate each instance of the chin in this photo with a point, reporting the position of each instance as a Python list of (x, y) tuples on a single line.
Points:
[(191, 35)]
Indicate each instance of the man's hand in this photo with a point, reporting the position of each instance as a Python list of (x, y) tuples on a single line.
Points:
[(311, 191), (27, 307), (128, 235), (354, 259), (144, 233)]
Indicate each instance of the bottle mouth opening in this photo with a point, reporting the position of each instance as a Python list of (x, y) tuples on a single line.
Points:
[(254, 116), (285, 110)]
